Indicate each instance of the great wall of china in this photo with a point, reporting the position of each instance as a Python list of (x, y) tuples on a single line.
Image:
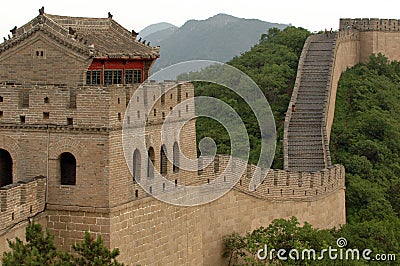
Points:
[(150, 232)]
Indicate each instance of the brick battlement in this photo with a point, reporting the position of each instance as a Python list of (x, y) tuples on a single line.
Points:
[(21, 200), (88, 106), (284, 185), (370, 24), (278, 185)]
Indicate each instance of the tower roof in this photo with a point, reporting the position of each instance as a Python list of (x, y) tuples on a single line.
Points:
[(97, 37)]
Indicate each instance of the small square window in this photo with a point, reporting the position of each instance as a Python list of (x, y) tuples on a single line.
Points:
[(1, 99), (1, 114), (40, 53), (46, 115), (119, 116), (22, 119), (70, 121), (46, 100)]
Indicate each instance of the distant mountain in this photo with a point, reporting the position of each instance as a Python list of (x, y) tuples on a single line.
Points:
[(218, 38), (157, 37), (155, 28)]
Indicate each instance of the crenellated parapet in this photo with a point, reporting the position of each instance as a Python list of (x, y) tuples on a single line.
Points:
[(280, 185), (88, 108), (297, 186), (22, 200), (369, 24)]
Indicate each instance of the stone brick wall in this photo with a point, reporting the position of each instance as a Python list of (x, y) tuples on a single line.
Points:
[(370, 24), (90, 110), (21, 200), (68, 224), (239, 212), (385, 42), (148, 231), (347, 54), (122, 187), (41, 60)]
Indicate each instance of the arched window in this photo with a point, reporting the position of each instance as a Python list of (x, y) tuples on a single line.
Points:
[(150, 162), (176, 157), (136, 165), (6, 164), (68, 169), (163, 160)]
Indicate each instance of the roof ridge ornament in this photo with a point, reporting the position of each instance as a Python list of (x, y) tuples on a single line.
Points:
[(71, 31), (110, 16), (41, 11), (134, 34), (14, 31)]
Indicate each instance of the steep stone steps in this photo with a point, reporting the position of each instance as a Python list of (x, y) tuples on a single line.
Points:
[(305, 141)]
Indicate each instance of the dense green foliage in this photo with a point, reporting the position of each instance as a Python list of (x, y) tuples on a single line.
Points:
[(366, 140), (39, 249), (272, 64), (280, 234)]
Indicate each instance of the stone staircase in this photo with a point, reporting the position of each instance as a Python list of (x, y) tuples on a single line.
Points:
[(307, 147)]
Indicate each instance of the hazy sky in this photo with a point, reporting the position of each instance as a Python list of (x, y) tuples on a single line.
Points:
[(137, 14)]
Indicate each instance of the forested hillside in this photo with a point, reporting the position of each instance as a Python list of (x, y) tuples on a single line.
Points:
[(366, 140)]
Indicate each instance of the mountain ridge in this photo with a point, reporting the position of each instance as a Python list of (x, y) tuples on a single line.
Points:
[(153, 28), (218, 38)]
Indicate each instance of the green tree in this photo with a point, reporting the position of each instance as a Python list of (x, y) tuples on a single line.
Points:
[(93, 253), (39, 249), (280, 234)]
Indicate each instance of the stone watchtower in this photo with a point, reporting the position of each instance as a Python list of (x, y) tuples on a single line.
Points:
[(64, 86)]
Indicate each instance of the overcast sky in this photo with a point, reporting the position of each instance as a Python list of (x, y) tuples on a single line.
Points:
[(137, 14)]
